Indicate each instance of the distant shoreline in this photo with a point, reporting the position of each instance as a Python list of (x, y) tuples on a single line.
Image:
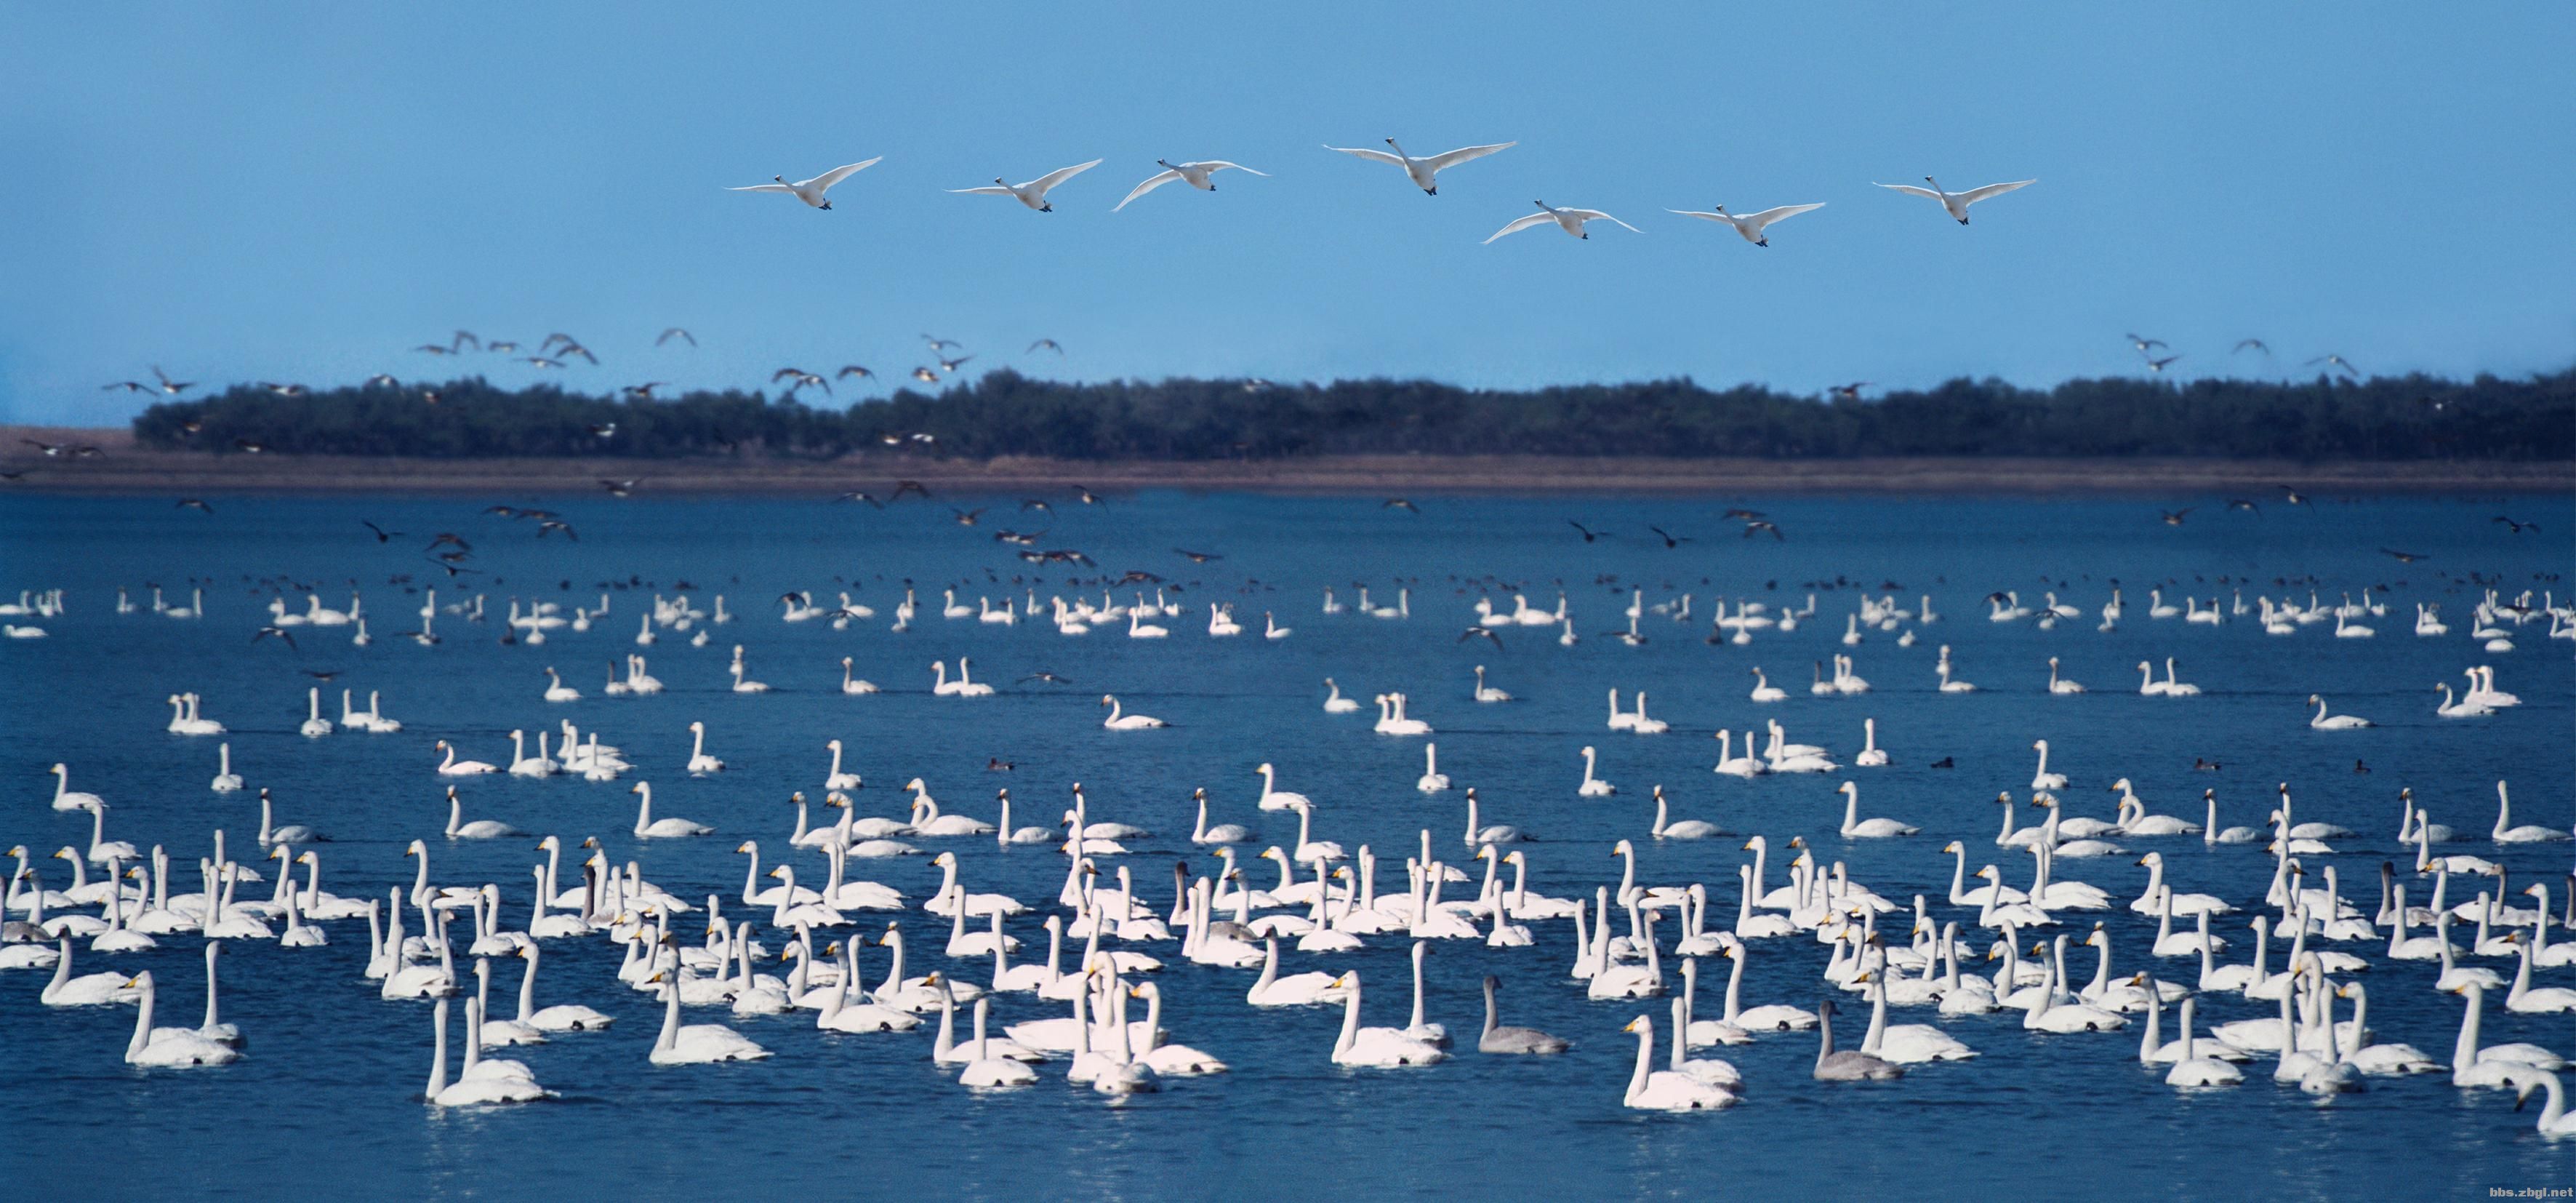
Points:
[(126, 470)]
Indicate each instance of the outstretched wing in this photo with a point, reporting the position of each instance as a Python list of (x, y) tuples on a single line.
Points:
[(1060, 175), (1974, 195), (1718, 217), (838, 174), (986, 190), (1374, 156), (1519, 224), (1767, 216), (765, 188), (1449, 159), (1150, 184), (1911, 190), (1221, 165)]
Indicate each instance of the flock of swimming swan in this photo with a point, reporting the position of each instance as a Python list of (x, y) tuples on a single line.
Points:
[(793, 944), (1423, 171)]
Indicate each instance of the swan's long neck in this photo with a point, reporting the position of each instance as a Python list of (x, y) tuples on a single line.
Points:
[(1350, 1018), (437, 1052), (142, 1021)]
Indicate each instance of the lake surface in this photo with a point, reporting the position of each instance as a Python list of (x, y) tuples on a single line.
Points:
[(326, 1102)]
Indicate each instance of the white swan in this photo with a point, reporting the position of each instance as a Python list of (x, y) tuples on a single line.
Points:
[(1593, 787), (1335, 703), (2554, 1117), (2192, 1069), (1571, 221), (1956, 203), (811, 191), (696, 1044), (226, 780), (1487, 693), (1034, 193), (1223, 833), (479, 829), (1292, 990), (1687, 829), (2527, 834), (1195, 174), (700, 762), (1764, 690), (452, 767), (1854, 827), (2058, 684), (557, 691), (1120, 721), (1650, 1089), (1871, 755), (1423, 170), (648, 827), (1750, 225), (2339, 722), (1382, 1048)]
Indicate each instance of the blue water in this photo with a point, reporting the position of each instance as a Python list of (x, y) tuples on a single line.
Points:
[(326, 1103)]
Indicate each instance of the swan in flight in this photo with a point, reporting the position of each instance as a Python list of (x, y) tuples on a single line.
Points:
[(1957, 202), (1423, 170), (1196, 173), (811, 191), (1571, 221), (1750, 225), (1033, 193)]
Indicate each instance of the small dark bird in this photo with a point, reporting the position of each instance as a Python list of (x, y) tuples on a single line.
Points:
[(383, 379), (1087, 497), (851, 369), (505, 511), (2158, 365), (2359, 767), (283, 390), (621, 488), (1848, 392), (967, 517), (1747, 515), (1589, 535), (383, 535), (2235, 503), (951, 365), (1035, 504), (169, 386), (555, 525), (940, 344), (1138, 576), (801, 378), (131, 386), (1670, 540), (443, 539), (902, 487), (570, 349), (2199, 765), (2292, 496), (86, 451), (501, 346), (2335, 361), (552, 339), (1759, 524), (2142, 344), (1945, 762), (1012, 536), (429, 396), (604, 430), (265, 632), (1048, 677), (644, 390), (249, 446), (2256, 343), (2175, 517), (675, 331), (1398, 503), (2405, 557), (855, 495), (453, 568), (1044, 344), (541, 361), (995, 764), (1198, 557), (18, 475), (191, 503), (321, 674), (1485, 633), (2517, 527), (462, 337), (50, 450), (433, 349), (925, 375)]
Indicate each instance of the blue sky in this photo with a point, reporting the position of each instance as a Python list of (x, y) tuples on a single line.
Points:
[(303, 192)]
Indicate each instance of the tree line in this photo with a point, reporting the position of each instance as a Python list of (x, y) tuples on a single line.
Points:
[(1004, 413)]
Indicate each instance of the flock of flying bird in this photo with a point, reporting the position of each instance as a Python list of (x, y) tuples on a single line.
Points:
[(1883, 956)]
